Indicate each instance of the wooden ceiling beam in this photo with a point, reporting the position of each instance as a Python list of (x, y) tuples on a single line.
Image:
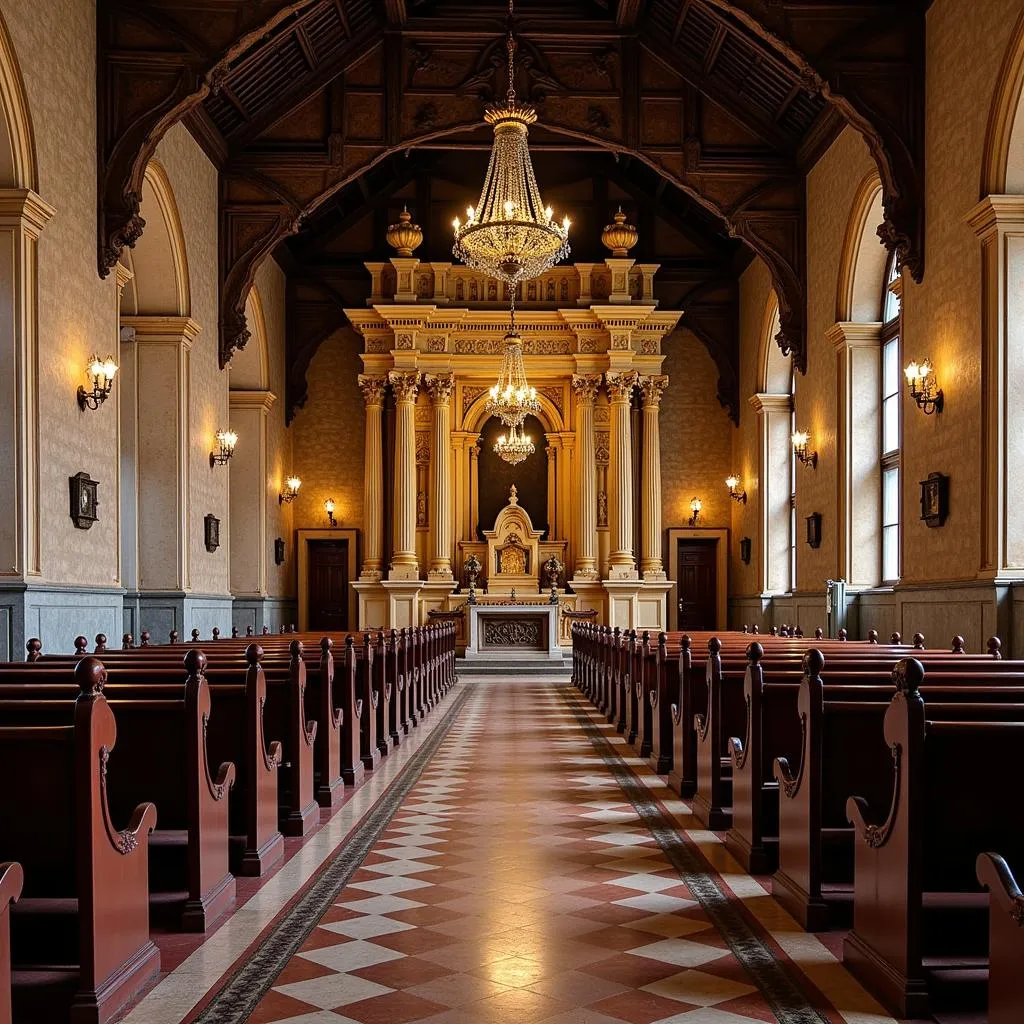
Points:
[(397, 12), (628, 12)]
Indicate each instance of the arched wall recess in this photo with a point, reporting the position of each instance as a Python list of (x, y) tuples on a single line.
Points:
[(1003, 160)]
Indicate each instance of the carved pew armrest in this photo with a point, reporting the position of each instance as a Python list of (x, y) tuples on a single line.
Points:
[(995, 875), (12, 879), (783, 775)]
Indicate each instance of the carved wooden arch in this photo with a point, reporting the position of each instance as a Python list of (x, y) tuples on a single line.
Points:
[(176, 254), (250, 232), (1003, 117), (188, 70), (550, 418), (858, 235), (257, 359), (769, 357), (17, 120), (891, 120)]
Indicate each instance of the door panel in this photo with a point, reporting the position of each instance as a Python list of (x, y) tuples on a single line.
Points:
[(698, 585), (328, 586)]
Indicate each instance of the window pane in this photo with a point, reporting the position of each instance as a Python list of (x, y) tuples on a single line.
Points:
[(891, 368), (891, 424), (891, 497), (891, 554)]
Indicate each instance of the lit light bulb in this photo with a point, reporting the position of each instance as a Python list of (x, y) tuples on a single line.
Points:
[(329, 506), (549, 213), (565, 223), (510, 208), (913, 372), (800, 439), (457, 224), (696, 505), (109, 368), (471, 214), (293, 483), (731, 482)]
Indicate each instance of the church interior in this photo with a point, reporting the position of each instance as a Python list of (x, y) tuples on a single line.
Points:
[(509, 511)]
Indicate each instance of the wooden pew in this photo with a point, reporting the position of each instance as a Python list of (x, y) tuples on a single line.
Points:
[(12, 878), (1006, 939), (161, 758), (920, 933), (80, 932)]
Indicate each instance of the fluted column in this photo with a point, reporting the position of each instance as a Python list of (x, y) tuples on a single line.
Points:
[(650, 503), (440, 387), (622, 565), (586, 386), (403, 563), (373, 481), (474, 490)]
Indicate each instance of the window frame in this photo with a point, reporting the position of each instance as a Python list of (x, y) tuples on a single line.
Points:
[(891, 460)]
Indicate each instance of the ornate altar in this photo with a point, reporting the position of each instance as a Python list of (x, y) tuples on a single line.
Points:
[(507, 632), (513, 550)]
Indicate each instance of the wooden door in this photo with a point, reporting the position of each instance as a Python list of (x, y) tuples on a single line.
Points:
[(328, 586), (697, 604)]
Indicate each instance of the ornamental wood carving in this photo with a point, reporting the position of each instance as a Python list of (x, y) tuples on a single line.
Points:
[(726, 100)]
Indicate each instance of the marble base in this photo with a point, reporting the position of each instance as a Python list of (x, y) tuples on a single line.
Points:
[(477, 650), (56, 615)]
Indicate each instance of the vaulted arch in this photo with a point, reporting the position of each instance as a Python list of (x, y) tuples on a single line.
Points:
[(17, 142), (862, 264), (1003, 160)]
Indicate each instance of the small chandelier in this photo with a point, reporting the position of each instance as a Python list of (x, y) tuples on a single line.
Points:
[(510, 234), (101, 377), (512, 399), (514, 448)]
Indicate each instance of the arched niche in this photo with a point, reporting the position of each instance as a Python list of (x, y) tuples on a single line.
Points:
[(17, 142), (159, 261), (776, 368), (1003, 160), (250, 368), (864, 258), (530, 477)]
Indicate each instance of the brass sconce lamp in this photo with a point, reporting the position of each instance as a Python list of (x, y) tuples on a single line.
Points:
[(921, 381), (801, 449), (695, 509), (101, 374), (226, 441), (733, 483), (291, 491), (329, 507)]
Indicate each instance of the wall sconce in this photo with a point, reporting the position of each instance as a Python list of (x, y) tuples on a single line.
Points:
[(745, 545), (329, 508), (814, 530), (733, 483), (101, 372), (291, 491), (226, 441), (695, 508), (801, 449), (921, 379)]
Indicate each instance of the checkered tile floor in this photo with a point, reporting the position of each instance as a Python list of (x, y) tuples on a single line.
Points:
[(514, 885)]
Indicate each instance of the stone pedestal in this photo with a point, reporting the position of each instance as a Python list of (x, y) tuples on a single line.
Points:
[(373, 604), (403, 602), (623, 603), (434, 596)]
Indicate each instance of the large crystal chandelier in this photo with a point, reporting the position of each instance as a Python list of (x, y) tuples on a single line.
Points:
[(515, 446), (510, 234)]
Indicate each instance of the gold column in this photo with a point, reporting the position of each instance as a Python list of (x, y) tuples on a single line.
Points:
[(551, 451), (650, 550), (586, 386), (373, 483), (622, 565), (403, 563), (440, 387), (474, 490)]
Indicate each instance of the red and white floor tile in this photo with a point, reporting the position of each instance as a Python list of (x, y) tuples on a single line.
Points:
[(517, 883)]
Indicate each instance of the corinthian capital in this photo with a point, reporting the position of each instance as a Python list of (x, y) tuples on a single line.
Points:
[(621, 385), (653, 388), (372, 388), (406, 384), (440, 386), (586, 386)]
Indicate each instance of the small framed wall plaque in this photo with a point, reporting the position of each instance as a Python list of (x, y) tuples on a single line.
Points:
[(211, 533), (745, 545), (814, 530), (935, 499), (278, 551), (84, 500)]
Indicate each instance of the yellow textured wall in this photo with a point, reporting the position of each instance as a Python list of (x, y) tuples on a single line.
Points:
[(329, 436), (755, 292), (696, 436), (55, 44), (270, 281), (942, 316), (194, 180), (831, 188)]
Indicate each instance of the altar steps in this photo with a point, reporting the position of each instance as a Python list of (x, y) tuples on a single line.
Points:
[(543, 666)]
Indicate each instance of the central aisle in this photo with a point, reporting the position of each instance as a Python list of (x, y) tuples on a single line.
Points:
[(520, 881)]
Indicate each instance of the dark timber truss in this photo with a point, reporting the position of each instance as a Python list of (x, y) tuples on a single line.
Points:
[(725, 102)]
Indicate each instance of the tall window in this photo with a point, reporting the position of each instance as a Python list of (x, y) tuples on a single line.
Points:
[(891, 428), (792, 489)]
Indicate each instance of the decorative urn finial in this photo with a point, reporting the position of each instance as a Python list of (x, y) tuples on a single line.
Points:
[(620, 236), (405, 236)]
